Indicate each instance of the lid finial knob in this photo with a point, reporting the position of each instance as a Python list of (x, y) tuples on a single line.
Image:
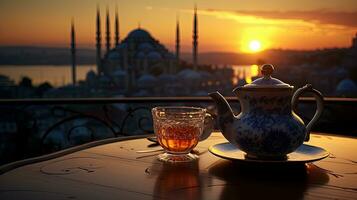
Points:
[(267, 70)]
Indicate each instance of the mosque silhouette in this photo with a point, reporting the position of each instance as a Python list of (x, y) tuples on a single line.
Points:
[(139, 65)]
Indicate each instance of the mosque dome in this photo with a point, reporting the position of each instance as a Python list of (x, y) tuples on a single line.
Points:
[(139, 34), (154, 55), (90, 75), (189, 74), (347, 87), (120, 73), (113, 55), (164, 78), (147, 81), (145, 47), (140, 55), (122, 46), (206, 75)]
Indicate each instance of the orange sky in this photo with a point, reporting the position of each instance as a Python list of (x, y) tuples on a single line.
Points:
[(224, 25)]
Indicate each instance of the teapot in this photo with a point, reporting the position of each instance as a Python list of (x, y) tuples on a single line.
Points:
[(267, 126)]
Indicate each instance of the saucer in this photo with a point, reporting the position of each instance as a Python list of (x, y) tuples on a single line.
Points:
[(304, 154)]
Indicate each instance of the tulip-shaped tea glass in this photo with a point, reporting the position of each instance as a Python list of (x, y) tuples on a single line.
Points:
[(178, 130)]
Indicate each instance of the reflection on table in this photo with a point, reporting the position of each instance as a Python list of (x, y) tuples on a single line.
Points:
[(117, 171)]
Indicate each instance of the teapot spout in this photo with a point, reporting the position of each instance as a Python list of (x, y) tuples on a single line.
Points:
[(225, 113)]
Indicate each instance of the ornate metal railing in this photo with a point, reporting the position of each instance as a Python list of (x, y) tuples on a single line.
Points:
[(31, 127)]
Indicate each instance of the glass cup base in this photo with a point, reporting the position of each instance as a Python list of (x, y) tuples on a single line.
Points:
[(174, 158)]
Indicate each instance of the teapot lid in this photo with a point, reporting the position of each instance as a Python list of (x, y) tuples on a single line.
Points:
[(267, 81)]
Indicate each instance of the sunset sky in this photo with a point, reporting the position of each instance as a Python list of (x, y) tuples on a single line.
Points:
[(224, 25)]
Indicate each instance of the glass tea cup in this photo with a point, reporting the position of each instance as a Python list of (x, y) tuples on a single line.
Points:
[(178, 130)]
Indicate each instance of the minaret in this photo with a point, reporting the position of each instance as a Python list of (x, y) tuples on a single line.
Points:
[(354, 42), (177, 41), (99, 43), (195, 37), (107, 37), (73, 53), (117, 38)]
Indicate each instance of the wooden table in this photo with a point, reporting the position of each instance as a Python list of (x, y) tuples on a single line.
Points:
[(116, 171)]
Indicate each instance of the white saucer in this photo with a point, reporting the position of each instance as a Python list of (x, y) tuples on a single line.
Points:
[(304, 154)]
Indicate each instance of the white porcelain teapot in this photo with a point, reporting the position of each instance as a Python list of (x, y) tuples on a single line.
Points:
[(267, 126)]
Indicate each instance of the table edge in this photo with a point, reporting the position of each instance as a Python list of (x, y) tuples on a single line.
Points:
[(13, 165)]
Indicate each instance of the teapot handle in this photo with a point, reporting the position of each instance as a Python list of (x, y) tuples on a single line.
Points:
[(320, 105), (208, 127)]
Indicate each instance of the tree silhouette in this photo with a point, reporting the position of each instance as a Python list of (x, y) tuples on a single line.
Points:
[(26, 82)]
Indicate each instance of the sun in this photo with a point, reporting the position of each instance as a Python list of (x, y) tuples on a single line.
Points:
[(255, 46)]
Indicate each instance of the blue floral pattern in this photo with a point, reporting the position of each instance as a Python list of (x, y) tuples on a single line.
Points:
[(267, 127)]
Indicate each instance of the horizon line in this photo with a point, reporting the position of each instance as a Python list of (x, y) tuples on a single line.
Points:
[(82, 47)]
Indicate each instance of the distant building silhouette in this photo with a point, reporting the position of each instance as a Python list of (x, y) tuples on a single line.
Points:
[(139, 65), (139, 56), (102, 62), (350, 60)]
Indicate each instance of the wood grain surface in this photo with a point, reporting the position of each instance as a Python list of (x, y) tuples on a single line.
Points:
[(118, 171)]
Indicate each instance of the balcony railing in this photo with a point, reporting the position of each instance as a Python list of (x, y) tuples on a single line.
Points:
[(32, 127)]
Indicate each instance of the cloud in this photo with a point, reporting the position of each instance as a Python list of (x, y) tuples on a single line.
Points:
[(320, 16), (331, 19)]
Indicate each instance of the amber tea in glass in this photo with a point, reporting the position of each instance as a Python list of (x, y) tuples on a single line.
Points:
[(178, 130)]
